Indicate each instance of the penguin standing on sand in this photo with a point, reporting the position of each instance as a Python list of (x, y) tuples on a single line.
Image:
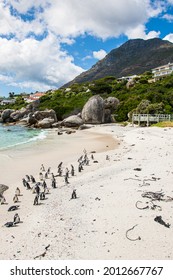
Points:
[(32, 179), (28, 178), (36, 200), (72, 170), (54, 183), (17, 191), (15, 198), (24, 182), (41, 176), (2, 199), (16, 219), (74, 195)]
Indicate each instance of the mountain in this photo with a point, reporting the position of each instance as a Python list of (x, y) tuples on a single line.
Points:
[(133, 57)]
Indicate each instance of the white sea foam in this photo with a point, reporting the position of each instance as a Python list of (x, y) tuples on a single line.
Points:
[(25, 137)]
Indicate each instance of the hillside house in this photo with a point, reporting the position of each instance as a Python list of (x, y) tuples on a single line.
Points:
[(162, 71), (128, 78), (34, 97), (7, 101)]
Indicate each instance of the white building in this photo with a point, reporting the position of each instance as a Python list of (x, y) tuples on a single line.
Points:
[(128, 78), (162, 71), (7, 101)]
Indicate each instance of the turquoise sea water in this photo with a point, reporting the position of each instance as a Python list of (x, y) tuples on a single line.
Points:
[(15, 135)]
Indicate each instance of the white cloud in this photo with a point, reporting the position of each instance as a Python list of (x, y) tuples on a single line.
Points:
[(41, 64), (168, 17), (99, 54), (15, 26), (27, 59), (23, 6), (140, 32), (87, 57), (106, 18), (169, 37), (70, 18)]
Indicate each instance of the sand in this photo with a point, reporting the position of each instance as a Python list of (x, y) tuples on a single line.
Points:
[(95, 225)]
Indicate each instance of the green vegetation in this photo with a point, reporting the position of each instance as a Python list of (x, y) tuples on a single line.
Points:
[(19, 103), (65, 102), (143, 97), (163, 124)]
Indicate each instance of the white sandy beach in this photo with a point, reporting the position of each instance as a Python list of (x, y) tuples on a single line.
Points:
[(94, 225)]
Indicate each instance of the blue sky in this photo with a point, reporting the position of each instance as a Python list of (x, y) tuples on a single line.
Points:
[(46, 43)]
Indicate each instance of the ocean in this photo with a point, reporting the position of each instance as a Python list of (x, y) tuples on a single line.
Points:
[(15, 135)]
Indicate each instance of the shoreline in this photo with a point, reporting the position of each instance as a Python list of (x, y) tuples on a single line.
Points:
[(50, 149), (94, 226)]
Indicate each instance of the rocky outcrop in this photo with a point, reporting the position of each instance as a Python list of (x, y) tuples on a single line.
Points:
[(26, 116), (5, 116), (110, 104), (107, 117), (72, 121), (19, 114), (40, 115), (93, 110), (31, 120), (45, 123), (97, 110)]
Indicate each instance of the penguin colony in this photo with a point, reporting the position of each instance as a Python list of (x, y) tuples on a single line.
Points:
[(40, 188)]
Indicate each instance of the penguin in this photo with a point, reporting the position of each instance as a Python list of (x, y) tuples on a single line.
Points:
[(16, 219), (36, 200), (66, 179), (107, 157), (24, 182), (3, 200), (42, 196), (28, 178), (28, 186), (54, 184), (9, 224), (13, 208), (41, 176), (52, 176), (32, 179), (15, 198), (17, 192), (37, 189), (74, 195), (42, 168), (59, 165)]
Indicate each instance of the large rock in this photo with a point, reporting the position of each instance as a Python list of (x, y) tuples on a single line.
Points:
[(93, 110), (111, 103), (72, 121), (108, 118), (45, 123), (31, 120), (5, 116), (40, 115), (19, 114)]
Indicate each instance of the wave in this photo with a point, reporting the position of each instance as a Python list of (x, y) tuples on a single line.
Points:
[(42, 135)]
